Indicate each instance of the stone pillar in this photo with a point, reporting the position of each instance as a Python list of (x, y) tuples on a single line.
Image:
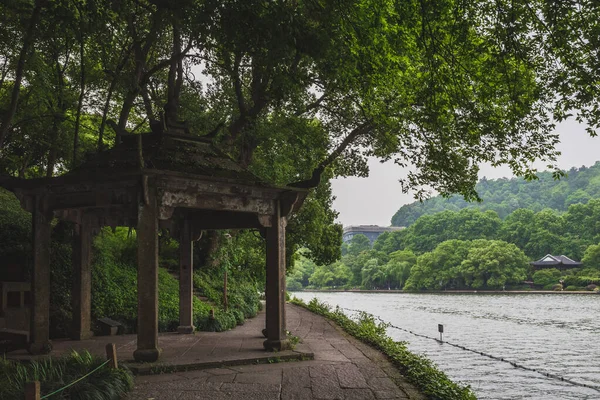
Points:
[(39, 337), (81, 292), (186, 281), (147, 279), (275, 287)]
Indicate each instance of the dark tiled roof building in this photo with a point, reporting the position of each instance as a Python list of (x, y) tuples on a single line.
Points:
[(559, 262)]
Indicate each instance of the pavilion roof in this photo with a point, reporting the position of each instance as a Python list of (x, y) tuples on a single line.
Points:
[(186, 154), (189, 171), (549, 259)]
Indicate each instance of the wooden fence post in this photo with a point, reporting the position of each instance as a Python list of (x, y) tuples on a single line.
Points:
[(111, 354), (32, 391)]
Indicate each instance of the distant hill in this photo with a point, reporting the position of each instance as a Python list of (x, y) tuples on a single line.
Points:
[(506, 195)]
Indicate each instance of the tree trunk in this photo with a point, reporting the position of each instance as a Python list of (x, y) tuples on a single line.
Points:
[(27, 45), (81, 96)]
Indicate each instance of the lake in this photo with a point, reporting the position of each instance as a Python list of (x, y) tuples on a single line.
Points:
[(557, 334)]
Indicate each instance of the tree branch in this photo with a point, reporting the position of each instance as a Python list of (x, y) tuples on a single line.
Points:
[(315, 179)]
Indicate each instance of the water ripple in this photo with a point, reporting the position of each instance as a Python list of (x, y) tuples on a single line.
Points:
[(555, 334)]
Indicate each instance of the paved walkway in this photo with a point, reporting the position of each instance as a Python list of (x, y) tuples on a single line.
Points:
[(343, 368)]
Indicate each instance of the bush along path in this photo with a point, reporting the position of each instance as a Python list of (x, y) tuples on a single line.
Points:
[(417, 369)]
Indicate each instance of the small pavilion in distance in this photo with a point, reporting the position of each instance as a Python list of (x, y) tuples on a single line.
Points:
[(561, 263), (162, 179)]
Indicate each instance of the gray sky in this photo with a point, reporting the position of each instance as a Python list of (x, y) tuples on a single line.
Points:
[(374, 200)]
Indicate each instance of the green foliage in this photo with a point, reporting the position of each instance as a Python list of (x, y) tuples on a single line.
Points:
[(418, 369), (358, 244), (114, 284), (242, 295), (505, 196), (478, 264), (591, 257), (302, 269), (580, 281), (54, 373), (334, 275), (546, 277), (15, 232)]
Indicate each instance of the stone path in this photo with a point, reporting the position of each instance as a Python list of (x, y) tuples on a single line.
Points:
[(343, 368)]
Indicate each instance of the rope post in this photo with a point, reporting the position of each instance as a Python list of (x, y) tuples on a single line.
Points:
[(32, 390), (111, 355)]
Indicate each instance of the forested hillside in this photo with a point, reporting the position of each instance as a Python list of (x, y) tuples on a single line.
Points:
[(467, 249), (506, 195)]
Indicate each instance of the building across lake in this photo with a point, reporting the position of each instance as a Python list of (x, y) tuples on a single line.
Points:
[(370, 231), (561, 263)]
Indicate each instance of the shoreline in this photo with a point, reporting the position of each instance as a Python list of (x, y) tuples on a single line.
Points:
[(397, 291)]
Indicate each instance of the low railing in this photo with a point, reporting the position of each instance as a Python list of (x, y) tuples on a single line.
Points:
[(32, 389)]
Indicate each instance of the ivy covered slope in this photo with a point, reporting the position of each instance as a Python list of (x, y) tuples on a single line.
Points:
[(417, 369), (506, 195)]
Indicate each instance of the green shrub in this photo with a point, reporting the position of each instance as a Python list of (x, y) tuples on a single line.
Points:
[(15, 232), (418, 369), (243, 298), (573, 288), (545, 277), (55, 373), (581, 281), (222, 321)]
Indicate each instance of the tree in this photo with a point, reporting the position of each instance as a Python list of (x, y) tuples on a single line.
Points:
[(374, 275), (493, 264), (546, 277), (518, 227), (591, 258), (332, 275), (358, 244), (440, 85)]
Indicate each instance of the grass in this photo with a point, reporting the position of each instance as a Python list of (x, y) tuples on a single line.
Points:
[(419, 370), (56, 373)]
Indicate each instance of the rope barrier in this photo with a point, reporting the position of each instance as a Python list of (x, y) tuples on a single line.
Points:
[(75, 381), (514, 364)]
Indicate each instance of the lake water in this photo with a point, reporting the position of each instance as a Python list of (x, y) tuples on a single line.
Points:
[(554, 333)]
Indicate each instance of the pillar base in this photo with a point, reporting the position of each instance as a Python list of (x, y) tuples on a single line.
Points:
[(264, 332), (277, 345), (146, 355), (185, 329), (36, 348), (85, 335)]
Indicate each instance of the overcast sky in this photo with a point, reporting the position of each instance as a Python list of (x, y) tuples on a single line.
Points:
[(374, 200)]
